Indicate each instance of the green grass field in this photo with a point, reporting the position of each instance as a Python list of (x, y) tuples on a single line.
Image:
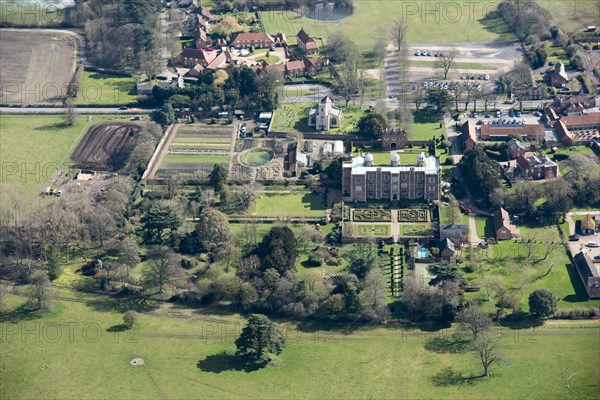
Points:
[(508, 260), (444, 217), (99, 88), (187, 356), (572, 15), (427, 130), (290, 204), (485, 226), (32, 146), (448, 22)]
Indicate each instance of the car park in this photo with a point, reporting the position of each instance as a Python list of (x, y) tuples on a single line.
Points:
[(487, 77)]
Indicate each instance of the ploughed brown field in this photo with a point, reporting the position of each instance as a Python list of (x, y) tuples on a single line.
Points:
[(106, 146), (35, 67)]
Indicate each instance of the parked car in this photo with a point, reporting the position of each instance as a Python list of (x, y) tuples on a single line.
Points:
[(592, 243), (597, 258), (418, 53), (518, 113), (123, 108), (487, 77), (574, 238)]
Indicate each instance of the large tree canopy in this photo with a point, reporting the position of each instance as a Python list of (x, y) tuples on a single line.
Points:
[(258, 338), (480, 173), (372, 125)]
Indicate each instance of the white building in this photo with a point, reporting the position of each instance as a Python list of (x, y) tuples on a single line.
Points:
[(325, 115)]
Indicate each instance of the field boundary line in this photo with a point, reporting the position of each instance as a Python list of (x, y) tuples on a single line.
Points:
[(159, 153)]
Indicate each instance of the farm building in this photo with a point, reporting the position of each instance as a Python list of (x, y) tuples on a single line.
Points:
[(503, 228), (589, 274)]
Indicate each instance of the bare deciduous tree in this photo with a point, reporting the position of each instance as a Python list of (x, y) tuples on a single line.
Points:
[(446, 61), (399, 32)]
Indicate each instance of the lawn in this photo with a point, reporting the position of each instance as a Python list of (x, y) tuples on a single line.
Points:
[(522, 275), (293, 117), (572, 15), (383, 230), (485, 226), (422, 130), (291, 204), (105, 89), (257, 157), (196, 159), (63, 352), (32, 146), (449, 22), (412, 230), (444, 217)]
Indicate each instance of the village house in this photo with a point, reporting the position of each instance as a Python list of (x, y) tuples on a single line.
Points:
[(572, 104), (362, 180), (307, 43), (503, 228), (325, 115), (533, 132), (393, 139), (469, 136), (536, 166), (258, 40), (516, 148), (590, 224), (589, 274), (559, 77), (447, 250), (456, 233)]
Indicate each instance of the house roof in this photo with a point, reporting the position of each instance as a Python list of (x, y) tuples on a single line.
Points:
[(305, 38), (529, 160), (502, 219), (253, 37), (588, 222), (453, 231), (514, 144), (529, 130), (582, 120), (559, 71), (294, 65), (447, 244), (585, 265), (468, 132), (562, 131)]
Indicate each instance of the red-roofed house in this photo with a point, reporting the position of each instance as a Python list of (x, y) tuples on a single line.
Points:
[(257, 39), (468, 135), (504, 229), (307, 43)]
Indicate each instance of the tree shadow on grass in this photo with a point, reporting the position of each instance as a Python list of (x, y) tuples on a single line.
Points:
[(19, 314), (123, 304), (118, 328), (520, 320), (451, 345), (224, 361), (450, 377)]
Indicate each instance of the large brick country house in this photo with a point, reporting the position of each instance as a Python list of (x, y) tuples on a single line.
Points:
[(362, 180)]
